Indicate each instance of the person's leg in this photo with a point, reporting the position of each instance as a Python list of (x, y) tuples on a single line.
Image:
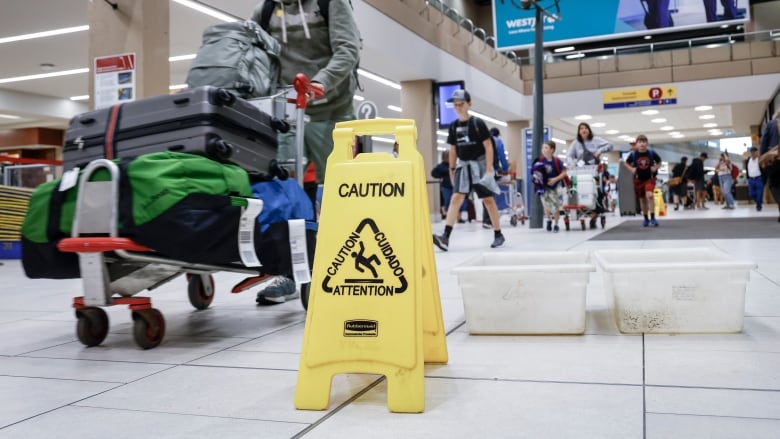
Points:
[(710, 10), (318, 142), (729, 9), (498, 237), (650, 199), (726, 184)]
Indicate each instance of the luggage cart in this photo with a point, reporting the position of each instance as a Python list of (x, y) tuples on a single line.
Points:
[(583, 197), (114, 269), (510, 201)]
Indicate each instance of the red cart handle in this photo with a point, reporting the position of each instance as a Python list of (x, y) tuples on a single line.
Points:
[(99, 245), (303, 88)]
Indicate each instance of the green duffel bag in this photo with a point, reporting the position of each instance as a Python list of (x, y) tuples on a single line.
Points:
[(184, 206)]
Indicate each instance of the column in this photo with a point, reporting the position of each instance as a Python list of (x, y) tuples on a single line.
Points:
[(135, 26), (417, 104)]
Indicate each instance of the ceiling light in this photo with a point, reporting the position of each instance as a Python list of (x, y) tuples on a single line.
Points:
[(556, 140), (611, 132), (650, 112), (9, 116), (48, 33), (598, 125), (666, 128), (703, 108), (394, 108), (379, 79), (575, 56), (358, 98), (564, 49), (43, 75), (488, 118), (707, 116), (710, 125), (674, 133), (648, 37), (206, 10), (79, 98), (583, 117), (181, 57), (716, 133), (658, 120), (715, 130), (712, 46), (678, 136)]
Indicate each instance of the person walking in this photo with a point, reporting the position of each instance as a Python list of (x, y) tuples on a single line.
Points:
[(696, 176), (587, 149), (680, 187), (770, 138), (755, 178), (470, 144), (553, 176), (325, 46), (723, 170), (643, 164)]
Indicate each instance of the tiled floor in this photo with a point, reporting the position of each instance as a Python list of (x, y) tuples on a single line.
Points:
[(230, 371)]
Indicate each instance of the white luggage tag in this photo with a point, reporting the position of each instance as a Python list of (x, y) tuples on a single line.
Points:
[(299, 251), (69, 179), (246, 232)]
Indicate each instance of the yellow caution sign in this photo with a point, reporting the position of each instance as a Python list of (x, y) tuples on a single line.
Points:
[(374, 305), (658, 202)]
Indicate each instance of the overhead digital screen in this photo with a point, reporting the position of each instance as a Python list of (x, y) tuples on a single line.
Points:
[(582, 21)]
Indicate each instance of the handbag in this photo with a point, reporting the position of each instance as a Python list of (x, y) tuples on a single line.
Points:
[(675, 181)]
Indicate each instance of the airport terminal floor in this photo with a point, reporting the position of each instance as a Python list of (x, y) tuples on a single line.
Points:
[(230, 371)]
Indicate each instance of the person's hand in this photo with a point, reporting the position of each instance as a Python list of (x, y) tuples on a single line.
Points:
[(316, 90)]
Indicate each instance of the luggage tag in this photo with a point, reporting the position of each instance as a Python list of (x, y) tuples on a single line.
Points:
[(246, 232), (69, 179), (298, 251)]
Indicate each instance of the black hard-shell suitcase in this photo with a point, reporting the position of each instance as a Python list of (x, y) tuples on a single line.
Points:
[(204, 120)]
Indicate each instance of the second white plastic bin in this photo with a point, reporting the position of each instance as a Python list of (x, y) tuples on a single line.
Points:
[(525, 293), (675, 290)]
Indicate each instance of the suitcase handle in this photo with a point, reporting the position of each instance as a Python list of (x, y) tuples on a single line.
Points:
[(87, 120)]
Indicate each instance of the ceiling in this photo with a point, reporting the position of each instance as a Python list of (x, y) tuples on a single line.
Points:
[(45, 102)]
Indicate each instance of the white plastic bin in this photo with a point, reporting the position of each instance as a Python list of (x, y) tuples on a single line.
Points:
[(675, 290), (525, 293)]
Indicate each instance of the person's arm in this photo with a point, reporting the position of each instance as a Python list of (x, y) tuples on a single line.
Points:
[(502, 155), (602, 146), (345, 43), (656, 162), (488, 156), (571, 154)]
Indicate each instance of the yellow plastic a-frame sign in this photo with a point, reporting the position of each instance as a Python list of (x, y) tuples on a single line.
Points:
[(374, 305)]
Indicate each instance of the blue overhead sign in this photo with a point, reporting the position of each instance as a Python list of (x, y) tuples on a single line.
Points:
[(582, 20)]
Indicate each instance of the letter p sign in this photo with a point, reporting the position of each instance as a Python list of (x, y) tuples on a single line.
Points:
[(656, 93)]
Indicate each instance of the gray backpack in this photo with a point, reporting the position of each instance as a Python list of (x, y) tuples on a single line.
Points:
[(238, 56)]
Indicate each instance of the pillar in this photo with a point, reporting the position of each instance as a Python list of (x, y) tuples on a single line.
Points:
[(417, 104), (135, 26)]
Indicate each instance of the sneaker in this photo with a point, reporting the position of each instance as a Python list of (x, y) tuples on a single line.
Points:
[(593, 223), (676, 207), (556, 229), (646, 222), (486, 225), (442, 242), (758, 208), (278, 290), (498, 241), (654, 222), (549, 226)]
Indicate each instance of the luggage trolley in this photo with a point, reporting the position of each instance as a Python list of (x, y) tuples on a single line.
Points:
[(114, 269), (582, 199), (510, 201)]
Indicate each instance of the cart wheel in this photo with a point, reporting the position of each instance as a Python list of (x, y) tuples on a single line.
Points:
[(522, 220), (305, 291), (582, 223), (92, 325), (199, 297), (148, 327), (513, 220)]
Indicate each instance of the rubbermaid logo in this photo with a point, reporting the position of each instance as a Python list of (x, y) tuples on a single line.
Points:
[(361, 328)]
